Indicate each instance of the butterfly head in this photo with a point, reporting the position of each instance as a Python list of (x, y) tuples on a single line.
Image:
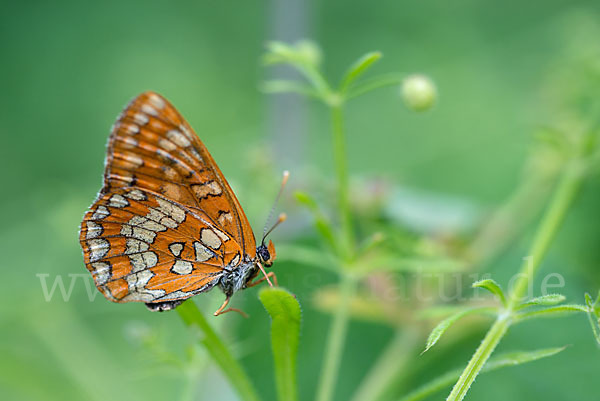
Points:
[(266, 254)]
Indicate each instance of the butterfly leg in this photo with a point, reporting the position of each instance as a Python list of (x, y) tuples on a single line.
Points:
[(220, 311), (270, 275)]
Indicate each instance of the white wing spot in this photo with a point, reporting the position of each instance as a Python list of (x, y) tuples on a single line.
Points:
[(135, 246), (146, 108), (186, 132), (221, 235), (208, 188), (235, 261), (210, 238), (177, 295), (137, 232), (94, 230), (167, 145), (158, 216), (175, 212), (101, 272), (225, 218), (176, 248), (137, 288), (156, 101), (118, 200), (144, 222), (99, 247), (202, 252), (140, 119), (143, 261), (100, 213), (131, 129), (178, 138), (128, 142), (136, 194), (182, 267), (135, 160)]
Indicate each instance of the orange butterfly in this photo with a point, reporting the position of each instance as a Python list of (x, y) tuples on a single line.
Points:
[(166, 224)]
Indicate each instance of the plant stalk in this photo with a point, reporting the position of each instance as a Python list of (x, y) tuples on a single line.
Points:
[(564, 194), (336, 340), (479, 358), (232, 370), (341, 168)]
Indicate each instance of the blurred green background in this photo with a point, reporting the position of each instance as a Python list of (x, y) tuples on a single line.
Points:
[(68, 68)]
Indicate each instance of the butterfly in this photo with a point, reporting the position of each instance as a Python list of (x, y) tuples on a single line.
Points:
[(166, 224)]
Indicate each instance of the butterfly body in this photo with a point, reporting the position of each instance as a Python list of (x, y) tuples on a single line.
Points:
[(166, 225)]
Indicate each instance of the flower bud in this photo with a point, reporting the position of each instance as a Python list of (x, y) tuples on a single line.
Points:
[(418, 92)]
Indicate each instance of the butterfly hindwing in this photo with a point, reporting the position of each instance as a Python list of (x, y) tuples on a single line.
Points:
[(143, 247)]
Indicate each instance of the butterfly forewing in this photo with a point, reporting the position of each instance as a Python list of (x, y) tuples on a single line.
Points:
[(152, 147), (166, 223)]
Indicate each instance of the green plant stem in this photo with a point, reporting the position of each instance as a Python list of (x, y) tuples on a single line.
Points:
[(479, 358), (335, 340), (191, 316), (562, 199), (563, 196), (341, 168)]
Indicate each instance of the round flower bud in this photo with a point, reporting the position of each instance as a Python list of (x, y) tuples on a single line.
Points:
[(418, 92)]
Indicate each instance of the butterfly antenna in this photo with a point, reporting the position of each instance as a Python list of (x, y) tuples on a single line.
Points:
[(282, 216)]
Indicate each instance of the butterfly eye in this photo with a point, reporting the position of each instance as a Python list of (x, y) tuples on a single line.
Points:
[(264, 255)]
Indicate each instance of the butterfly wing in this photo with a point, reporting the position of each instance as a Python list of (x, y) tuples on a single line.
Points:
[(143, 247), (153, 148), (166, 223)]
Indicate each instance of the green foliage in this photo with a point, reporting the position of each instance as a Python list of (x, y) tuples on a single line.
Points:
[(493, 287), (285, 313), (544, 300), (346, 252), (390, 267), (497, 362), (441, 328)]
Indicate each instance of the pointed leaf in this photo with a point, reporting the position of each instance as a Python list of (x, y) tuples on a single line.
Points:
[(285, 333), (553, 311), (595, 323), (544, 300), (493, 287), (441, 328), (500, 361), (358, 68)]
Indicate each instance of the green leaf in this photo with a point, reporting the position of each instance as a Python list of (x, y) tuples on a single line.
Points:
[(500, 361), (285, 332), (358, 68), (493, 287), (554, 311), (595, 323), (593, 315), (544, 300), (441, 328), (305, 57)]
